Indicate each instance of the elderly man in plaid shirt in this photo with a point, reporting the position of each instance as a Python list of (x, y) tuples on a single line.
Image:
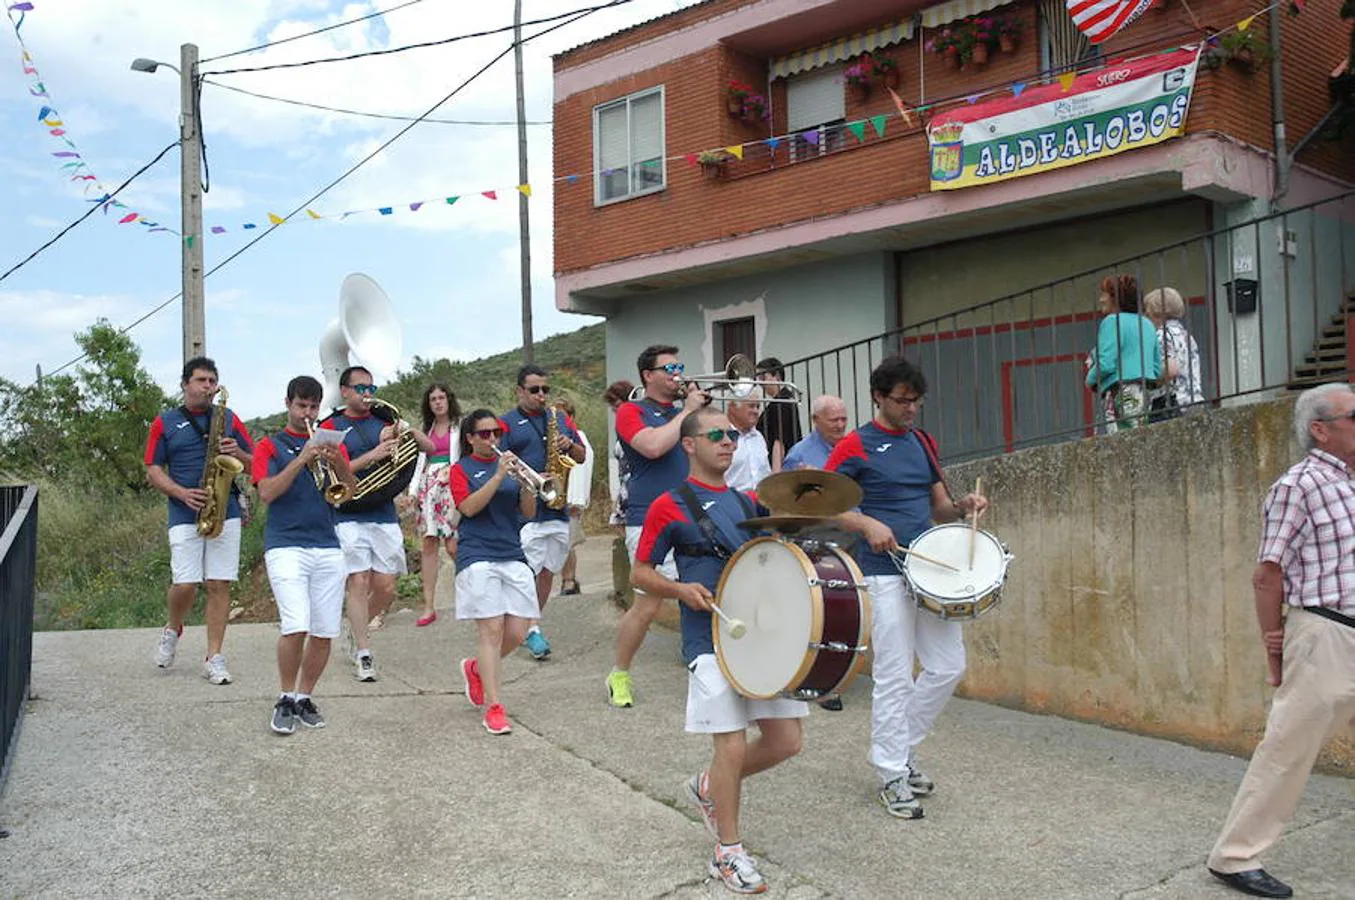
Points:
[(1307, 563)]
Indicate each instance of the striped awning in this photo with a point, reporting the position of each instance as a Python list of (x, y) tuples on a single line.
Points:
[(846, 48), (944, 13)]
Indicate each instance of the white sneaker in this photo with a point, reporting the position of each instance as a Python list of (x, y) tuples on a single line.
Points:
[(214, 670), (168, 646), (366, 667), (738, 872)]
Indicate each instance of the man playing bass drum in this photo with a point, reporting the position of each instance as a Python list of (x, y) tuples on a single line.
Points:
[(373, 547)]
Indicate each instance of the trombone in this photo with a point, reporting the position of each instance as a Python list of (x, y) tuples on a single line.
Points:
[(547, 487), (326, 480), (738, 382)]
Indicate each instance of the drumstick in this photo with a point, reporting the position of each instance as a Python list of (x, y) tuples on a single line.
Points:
[(925, 558), (974, 521), (736, 627)]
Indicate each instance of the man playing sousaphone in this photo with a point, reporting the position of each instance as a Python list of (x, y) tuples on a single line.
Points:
[(176, 457), (899, 470), (699, 523), (373, 547)]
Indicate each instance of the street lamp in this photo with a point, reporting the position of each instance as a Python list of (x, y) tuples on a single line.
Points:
[(190, 195)]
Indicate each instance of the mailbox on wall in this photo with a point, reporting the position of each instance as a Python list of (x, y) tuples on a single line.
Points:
[(1241, 295)]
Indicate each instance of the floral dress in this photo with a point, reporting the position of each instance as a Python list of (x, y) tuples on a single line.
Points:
[(437, 515)]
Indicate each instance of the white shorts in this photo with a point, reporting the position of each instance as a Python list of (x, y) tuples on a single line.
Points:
[(308, 587), (714, 707), (488, 589), (194, 559), (545, 544), (378, 546), (576, 535), (667, 568)]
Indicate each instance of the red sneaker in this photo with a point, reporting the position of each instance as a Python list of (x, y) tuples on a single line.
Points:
[(475, 688), (496, 720)]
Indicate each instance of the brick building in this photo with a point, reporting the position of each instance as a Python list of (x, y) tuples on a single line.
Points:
[(815, 211)]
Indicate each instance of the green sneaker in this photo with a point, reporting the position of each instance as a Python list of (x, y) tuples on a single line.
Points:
[(618, 688)]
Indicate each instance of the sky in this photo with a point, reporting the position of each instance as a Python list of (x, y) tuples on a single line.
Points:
[(451, 272)]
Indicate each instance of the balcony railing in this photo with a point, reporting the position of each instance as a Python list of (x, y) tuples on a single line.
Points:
[(1265, 303), (18, 569)]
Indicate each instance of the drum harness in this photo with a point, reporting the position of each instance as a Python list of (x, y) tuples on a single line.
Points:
[(714, 546)]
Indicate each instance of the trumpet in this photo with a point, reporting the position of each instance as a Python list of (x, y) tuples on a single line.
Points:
[(326, 480), (547, 487), (737, 383)]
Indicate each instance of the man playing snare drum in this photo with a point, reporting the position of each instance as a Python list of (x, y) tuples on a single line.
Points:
[(899, 470), (674, 522)]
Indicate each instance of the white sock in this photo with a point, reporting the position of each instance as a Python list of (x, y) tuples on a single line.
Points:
[(286, 695), (298, 696), (730, 849), (535, 629)]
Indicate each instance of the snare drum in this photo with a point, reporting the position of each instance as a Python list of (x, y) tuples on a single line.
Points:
[(967, 593), (808, 617)]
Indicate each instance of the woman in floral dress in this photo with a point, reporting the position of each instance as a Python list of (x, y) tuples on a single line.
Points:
[(436, 515)]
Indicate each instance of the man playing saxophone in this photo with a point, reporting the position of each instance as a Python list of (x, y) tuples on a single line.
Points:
[(177, 455), (544, 438)]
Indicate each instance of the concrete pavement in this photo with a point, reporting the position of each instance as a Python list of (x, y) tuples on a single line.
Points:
[(132, 781)]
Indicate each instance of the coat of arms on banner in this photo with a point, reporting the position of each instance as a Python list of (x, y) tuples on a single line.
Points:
[(947, 147)]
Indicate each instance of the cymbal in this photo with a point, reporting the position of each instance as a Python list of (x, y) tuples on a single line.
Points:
[(808, 492), (787, 524)]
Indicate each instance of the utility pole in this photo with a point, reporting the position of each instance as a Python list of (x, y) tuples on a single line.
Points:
[(524, 230), (190, 191)]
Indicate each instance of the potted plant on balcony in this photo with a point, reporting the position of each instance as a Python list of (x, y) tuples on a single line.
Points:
[(886, 70), (857, 77), (1243, 49), (756, 109), (736, 93), (1008, 33), (947, 46), (712, 163), (985, 39)]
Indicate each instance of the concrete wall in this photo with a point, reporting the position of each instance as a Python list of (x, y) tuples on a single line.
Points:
[(1129, 603)]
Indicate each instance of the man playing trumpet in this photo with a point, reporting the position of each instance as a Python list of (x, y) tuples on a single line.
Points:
[(301, 550)]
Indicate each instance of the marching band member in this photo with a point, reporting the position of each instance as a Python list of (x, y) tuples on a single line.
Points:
[(436, 515), (176, 455), (545, 538), (674, 525), (494, 585), (373, 547), (899, 470), (649, 430), (301, 552)]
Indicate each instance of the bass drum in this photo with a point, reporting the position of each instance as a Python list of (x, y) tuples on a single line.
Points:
[(808, 617)]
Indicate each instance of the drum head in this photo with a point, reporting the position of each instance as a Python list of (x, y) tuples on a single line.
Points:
[(766, 584), (950, 543)]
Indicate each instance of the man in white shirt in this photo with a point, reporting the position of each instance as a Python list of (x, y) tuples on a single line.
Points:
[(750, 463)]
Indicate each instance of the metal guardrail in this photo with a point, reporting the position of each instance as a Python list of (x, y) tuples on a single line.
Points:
[(18, 574), (1007, 374)]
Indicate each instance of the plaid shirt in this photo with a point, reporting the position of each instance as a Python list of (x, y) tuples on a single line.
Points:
[(1309, 532)]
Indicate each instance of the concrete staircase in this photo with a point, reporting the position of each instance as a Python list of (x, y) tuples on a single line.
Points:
[(1327, 361)]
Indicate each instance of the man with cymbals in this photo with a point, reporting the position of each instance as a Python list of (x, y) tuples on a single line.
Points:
[(698, 521), (899, 469)]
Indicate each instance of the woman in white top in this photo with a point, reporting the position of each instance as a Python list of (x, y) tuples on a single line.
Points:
[(1181, 382)]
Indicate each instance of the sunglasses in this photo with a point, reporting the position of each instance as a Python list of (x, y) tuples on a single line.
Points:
[(1350, 415), (364, 389), (538, 389), (670, 368), (716, 435), (485, 434)]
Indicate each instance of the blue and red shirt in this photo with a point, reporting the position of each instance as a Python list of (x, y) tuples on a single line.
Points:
[(648, 478), (364, 434), (178, 441), (525, 435), (896, 471), (300, 516), (491, 535), (670, 525)]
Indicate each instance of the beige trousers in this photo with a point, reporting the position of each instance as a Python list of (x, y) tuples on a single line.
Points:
[(1315, 698)]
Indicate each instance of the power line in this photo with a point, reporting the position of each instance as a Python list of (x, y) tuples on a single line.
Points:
[(579, 14), (102, 204), (373, 15), (420, 46), (370, 115)]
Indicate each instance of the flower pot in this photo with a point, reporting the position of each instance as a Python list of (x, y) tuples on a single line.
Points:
[(952, 60), (713, 169), (980, 55), (859, 91), (736, 106), (1243, 59), (891, 78), (1006, 43)]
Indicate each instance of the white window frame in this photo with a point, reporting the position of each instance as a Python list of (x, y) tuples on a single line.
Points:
[(830, 131), (663, 145)]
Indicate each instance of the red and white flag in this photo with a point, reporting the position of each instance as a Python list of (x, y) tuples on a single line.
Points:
[(1100, 19)]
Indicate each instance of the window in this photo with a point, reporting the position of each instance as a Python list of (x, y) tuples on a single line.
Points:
[(814, 101), (1061, 45), (628, 146), (734, 336)]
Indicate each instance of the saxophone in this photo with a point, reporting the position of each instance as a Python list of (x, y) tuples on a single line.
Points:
[(218, 474), (558, 464)]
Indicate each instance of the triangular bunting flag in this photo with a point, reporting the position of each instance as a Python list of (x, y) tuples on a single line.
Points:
[(276, 219), (414, 207), (451, 200), (249, 225), (525, 190), (1067, 79), (492, 195), (735, 150), (1017, 88), (773, 143), (898, 103), (1246, 23), (691, 159), (572, 179), (217, 229), (811, 137), (130, 217), (45, 112), (972, 99), (313, 214), (878, 123), (858, 131), (385, 210), (188, 240)]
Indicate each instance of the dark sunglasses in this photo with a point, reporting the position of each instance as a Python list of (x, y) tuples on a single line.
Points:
[(716, 435), (485, 434), (538, 389), (364, 389), (670, 368)]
